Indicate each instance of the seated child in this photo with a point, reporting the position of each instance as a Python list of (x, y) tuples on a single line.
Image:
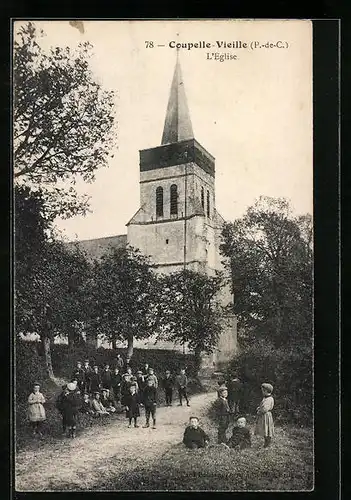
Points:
[(107, 401), (194, 436), (97, 406), (86, 405), (241, 437)]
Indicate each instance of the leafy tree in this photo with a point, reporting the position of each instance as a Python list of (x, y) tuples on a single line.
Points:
[(191, 312), (63, 121), (124, 297), (49, 277), (270, 258)]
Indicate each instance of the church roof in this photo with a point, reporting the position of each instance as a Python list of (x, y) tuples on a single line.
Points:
[(97, 247), (177, 125)]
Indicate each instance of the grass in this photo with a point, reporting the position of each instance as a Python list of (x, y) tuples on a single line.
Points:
[(287, 465)]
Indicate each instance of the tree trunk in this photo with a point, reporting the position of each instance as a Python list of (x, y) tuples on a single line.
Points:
[(91, 339), (197, 353), (130, 346), (47, 356)]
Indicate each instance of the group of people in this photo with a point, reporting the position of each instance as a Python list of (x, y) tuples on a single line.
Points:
[(102, 392), (225, 407)]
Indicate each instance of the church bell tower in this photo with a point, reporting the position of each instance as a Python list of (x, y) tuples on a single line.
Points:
[(177, 224)]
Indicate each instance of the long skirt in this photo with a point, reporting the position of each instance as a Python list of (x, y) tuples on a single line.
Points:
[(265, 425)]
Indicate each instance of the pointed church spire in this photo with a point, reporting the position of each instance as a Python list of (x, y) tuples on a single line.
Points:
[(177, 125)]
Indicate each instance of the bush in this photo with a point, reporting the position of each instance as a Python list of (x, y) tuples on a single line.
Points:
[(288, 369)]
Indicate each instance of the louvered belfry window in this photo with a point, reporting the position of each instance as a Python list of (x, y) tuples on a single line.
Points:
[(202, 198), (174, 199), (159, 201), (208, 203)]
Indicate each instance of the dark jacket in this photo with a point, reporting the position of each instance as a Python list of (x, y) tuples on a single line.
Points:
[(120, 363), (106, 379), (194, 436), (150, 396), (79, 375), (235, 389), (241, 437), (95, 382), (222, 409), (168, 383), (59, 401), (70, 407), (116, 380), (132, 402), (182, 381)]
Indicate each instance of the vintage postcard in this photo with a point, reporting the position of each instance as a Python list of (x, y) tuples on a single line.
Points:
[(163, 192)]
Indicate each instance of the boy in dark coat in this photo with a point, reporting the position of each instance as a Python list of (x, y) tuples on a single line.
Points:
[(235, 389), (106, 378), (194, 436), (71, 405), (79, 375), (86, 408), (87, 372), (223, 415), (241, 437), (168, 384), (60, 405), (182, 384), (132, 406), (140, 379), (150, 403), (116, 382), (95, 380)]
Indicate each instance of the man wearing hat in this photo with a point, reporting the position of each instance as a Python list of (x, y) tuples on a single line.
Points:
[(70, 407), (168, 384)]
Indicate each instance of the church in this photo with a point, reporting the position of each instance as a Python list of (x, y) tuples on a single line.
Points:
[(177, 225)]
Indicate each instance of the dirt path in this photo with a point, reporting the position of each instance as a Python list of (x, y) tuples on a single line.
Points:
[(99, 453)]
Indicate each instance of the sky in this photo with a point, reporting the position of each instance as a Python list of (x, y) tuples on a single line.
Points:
[(253, 113)]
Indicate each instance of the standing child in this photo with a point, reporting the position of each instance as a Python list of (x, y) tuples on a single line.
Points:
[(36, 410), (71, 406), (264, 423), (182, 384), (194, 436), (95, 380), (79, 375), (132, 406), (150, 403), (241, 437), (106, 377), (60, 405), (116, 382), (151, 375), (168, 387), (87, 373), (223, 415)]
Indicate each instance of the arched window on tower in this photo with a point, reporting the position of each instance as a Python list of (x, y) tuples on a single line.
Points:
[(203, 198), (208, 203), (159, 201), (174, 199)]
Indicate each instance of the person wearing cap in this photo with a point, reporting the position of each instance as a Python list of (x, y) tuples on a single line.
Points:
[(106, 377), (182, 384), (71, 404), (59, 406), (87, 373), (132, 406), (116, 382), (151, 375), (95, 380), (223, 415), (168, 385), (150, 403), (141, 384), (264, 424)]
